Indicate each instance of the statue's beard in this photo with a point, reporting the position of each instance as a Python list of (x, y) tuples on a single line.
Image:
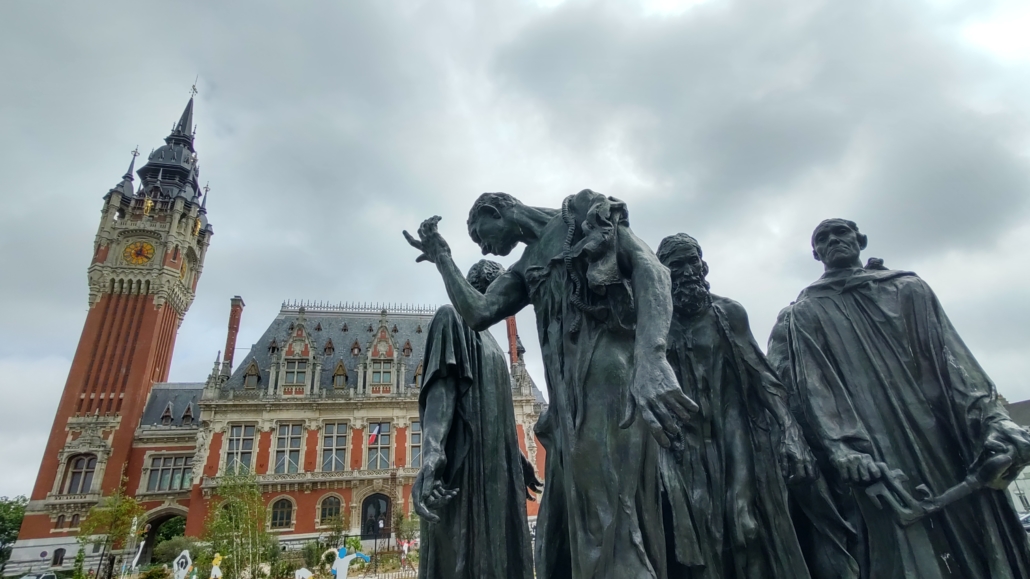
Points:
[(690, 294)]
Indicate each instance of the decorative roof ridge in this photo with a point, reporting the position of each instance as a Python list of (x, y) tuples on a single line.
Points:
[(294, 306)]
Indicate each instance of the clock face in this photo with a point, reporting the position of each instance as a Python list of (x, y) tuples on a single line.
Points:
[(138, 252)]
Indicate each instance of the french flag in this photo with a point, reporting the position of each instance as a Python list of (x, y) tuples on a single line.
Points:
[(372, 436)]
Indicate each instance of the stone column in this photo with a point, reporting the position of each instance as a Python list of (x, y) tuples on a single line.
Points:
[(317, 378)]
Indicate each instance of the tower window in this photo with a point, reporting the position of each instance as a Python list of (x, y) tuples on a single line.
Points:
[(170, 473), (240, 449), (79, 478), (378, 445), (287, 448), (334, 446), (59, 524), (282, 514), (296, 372)]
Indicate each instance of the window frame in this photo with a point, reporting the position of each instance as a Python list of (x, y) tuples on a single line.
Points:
[(288, 451), (295, 372), (185, 469), (232, 456), (415, 429), (272, 515), (322, 519), (82, 477), (335, 447), (378, 445)]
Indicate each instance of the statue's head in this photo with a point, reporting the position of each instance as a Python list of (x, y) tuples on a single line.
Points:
[(681, 253), (492, 225), (837, 243), (483, 273)]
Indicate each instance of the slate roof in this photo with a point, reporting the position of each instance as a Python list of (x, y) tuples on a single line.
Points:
[(179, 395), (411, 323)]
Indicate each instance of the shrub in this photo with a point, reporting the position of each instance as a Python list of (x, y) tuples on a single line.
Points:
[(155, 572)]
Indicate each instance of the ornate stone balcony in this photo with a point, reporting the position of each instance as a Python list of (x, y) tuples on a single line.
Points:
[(308, 480)]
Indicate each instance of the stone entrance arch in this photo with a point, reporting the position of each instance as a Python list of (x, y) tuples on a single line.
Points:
[(376, 508), (155, 519)]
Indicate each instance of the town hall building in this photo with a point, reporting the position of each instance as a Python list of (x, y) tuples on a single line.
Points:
[(323, 409)]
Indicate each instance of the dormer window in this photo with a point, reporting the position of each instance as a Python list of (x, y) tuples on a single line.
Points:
[(318, 327), (329, 348), (187, 415), (166, 416), (252, 377), (406, 350), (382, 372), (345, 327), (355, 348), (273, 347), (296, 372), (340, 376), (418, 375)]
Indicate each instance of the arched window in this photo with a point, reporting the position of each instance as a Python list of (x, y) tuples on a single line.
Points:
[(282, 514), (79, 478), (58, 558), (59, 524), (330, 509), (75, 521)]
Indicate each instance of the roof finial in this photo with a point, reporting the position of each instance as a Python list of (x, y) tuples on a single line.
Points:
[(132, 165), (203, 200), (193, 89)]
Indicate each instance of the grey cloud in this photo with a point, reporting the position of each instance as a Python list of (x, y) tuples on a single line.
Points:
[(741, 100)]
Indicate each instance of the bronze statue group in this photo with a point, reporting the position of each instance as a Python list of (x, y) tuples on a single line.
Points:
[(868, 443)]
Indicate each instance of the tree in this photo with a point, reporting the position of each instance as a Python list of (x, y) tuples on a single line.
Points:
[(235, 527), (113, 518), (167, 551), (335, 533), (405, 528), (78, 572), (12, 511), (173, 527)]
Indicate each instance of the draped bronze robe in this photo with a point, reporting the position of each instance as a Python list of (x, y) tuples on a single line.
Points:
[(880, 370), (482, 532)]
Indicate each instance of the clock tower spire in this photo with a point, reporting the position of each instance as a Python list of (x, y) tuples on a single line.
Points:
[(148, 257)]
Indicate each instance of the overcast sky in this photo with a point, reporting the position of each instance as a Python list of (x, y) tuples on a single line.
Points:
[(327, 127)]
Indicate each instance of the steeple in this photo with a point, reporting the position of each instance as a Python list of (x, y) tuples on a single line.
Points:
[(182, 132), (125, 186), (175, 162), (132, 165)]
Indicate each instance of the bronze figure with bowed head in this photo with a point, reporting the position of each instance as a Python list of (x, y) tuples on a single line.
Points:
[(603, 307), (471, 490)]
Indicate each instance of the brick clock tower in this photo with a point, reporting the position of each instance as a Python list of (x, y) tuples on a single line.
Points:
[(148, 256)]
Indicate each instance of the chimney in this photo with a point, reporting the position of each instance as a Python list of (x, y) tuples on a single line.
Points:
[(235, 312), (513, 340)]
